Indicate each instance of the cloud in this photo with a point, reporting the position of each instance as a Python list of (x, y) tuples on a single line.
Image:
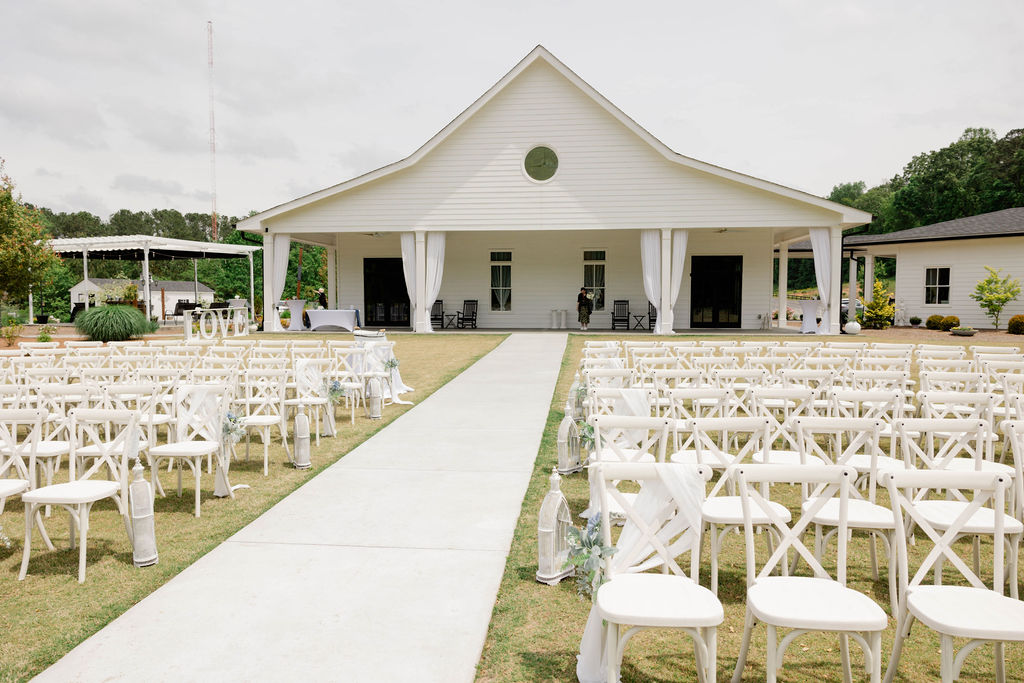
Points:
[(145, 185)]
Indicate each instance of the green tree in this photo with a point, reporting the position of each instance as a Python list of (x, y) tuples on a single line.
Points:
[(994, 292), (25, 257), (878, 313)]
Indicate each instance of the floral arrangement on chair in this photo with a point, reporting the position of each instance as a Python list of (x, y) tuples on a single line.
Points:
[(586, 552), (233, 429), (334, 392), (391, 364)]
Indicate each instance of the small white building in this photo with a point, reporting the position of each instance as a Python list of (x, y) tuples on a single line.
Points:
[(540, 187), (939, 265), (171, 291)]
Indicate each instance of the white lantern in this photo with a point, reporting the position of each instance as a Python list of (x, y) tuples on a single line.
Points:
[(573, 405), (140, 495), (302, 459), (553, 535), (568, 447), (375, 398)]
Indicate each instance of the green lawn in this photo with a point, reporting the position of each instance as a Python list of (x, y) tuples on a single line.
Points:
[(49, 613), (535, 629)]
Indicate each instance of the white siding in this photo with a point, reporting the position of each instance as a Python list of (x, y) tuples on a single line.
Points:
[(547, 272), (966, 260), (608, 178)]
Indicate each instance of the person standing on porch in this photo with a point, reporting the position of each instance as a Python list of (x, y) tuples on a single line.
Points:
[(584, 304)]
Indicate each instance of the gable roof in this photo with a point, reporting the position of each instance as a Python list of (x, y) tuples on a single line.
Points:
[(850, 217), (1005, 223)]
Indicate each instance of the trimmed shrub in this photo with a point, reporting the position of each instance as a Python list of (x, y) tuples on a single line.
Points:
[(934, 322), (1016, 325), (112, 323), (949, 322), (914, 320)]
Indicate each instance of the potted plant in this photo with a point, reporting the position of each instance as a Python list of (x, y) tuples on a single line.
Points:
[(963, 331), (915, 321)]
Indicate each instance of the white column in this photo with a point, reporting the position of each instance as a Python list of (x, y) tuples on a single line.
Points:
[(85, 275), (853, 294), (422, 319), (869, 276), (836, 243), (252, 291), (337, 273), (270, 323), (783, 282), (145, 282), (665, 321), (31, 307), (332, 285)]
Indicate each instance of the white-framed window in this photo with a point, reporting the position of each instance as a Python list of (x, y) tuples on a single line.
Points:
[(501, 280), (936, 285), (593, 275)]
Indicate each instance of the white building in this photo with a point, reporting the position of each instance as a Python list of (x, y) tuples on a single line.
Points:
[(542, 186), (169, 291), (938, 266)]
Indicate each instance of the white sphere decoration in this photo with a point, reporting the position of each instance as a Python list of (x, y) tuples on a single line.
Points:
[(852, 327)]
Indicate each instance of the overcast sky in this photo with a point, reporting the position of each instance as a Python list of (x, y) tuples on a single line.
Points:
[(103, 105)]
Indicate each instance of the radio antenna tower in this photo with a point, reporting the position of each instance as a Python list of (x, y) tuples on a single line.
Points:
[(213, 134)]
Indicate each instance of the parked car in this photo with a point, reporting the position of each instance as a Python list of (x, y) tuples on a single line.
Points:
[(844, 306)]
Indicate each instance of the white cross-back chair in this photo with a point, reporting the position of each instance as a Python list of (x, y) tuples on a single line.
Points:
[(197, 434), (661, 523), (610, 378), (945, 365), (143, 398), (12, 396), (782, 406), (804, 604), (20, 431), (105, 376), (112, 439), (980, 614), (932, 380), (347, 366), (872, 362), (311, 393), (263, 407), (965, 405), (632, 401), (850, 441), (623, 438), (876, 404)]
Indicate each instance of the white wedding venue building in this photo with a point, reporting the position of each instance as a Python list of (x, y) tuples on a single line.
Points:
[(540, 187)]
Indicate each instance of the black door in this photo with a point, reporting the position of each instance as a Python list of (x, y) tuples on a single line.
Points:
[(715, 284), (387, 299)]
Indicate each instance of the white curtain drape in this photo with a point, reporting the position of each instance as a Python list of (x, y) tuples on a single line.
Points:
[(282, 249), (650, 264), (821, 244), (666, 319), (435, 270), (409, 266)]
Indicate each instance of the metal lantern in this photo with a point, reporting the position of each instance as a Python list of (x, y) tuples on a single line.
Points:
[(574, 407), (375, 397), (569, 460), (553, 535), (302, 460), (140, 498)]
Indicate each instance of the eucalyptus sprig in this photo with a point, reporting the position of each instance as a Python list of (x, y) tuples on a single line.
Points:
[(587, 554), (587, 436)]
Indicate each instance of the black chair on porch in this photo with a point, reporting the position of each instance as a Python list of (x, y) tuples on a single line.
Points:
[(652, 315), (437, 315), (467, 316), (620, 314)]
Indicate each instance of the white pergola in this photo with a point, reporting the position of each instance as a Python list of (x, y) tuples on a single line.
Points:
[(148, 248)]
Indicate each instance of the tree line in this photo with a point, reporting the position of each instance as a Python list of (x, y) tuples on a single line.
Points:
[(978, 173)]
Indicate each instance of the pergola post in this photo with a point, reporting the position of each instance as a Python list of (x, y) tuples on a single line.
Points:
[(852, 294), (332, 279), (85, 277), (869, 276), (270, 323), (252, 291), (421, 320), (336, 265), (31, 307), (836, 244), (783, 283), (145, 282), (195, 280)]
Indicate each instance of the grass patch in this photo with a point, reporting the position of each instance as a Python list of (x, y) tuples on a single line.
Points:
[(49, 613), (535, 629)]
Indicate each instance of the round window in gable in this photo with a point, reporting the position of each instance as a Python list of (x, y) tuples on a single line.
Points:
[(541, 163)]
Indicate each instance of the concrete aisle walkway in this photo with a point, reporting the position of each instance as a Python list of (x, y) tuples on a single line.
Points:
[(384, 567)]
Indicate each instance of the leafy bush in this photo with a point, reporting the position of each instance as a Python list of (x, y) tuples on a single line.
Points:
[(994, 292), (914, 320), (878, 313), (1016, 325), (934, 322), (112, 323), (11, 331), (949, 322)]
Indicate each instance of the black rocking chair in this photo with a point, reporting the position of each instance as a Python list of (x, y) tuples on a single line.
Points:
[(652, 315), (620, 314), (437, 315), (467, 316)]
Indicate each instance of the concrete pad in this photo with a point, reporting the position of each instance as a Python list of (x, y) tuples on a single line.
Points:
[(384, 567)]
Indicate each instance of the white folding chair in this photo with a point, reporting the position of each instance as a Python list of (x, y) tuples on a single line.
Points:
[(975, 612), (804, 603), (263, 407), (661, 523)]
